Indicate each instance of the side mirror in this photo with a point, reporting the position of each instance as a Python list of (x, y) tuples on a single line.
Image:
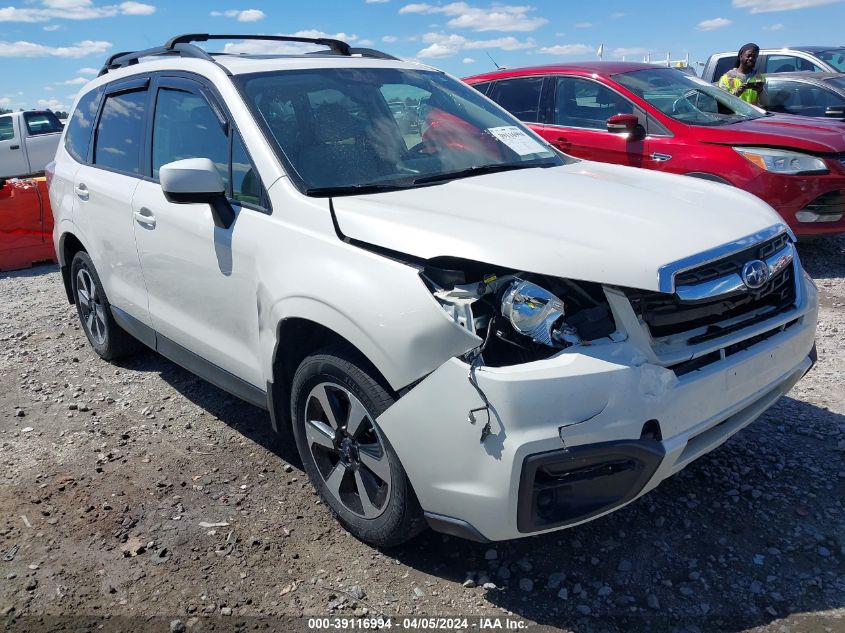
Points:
[(835, 112), (626, 124), (196, 181)]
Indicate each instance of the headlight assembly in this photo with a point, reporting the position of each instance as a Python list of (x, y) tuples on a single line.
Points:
[(782, 162), (533, 311)]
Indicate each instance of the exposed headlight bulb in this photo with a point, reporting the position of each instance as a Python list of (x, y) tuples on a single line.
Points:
[(533, 311)]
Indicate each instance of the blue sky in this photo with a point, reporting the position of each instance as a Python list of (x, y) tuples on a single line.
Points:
[(50, 48)]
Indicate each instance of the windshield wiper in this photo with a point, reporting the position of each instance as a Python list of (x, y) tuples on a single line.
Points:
[(477, 171), (349, 190)]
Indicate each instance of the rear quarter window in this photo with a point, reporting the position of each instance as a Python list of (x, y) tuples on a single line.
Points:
[(81, 126)]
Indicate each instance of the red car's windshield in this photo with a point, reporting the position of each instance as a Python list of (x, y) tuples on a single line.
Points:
[(687, 99)]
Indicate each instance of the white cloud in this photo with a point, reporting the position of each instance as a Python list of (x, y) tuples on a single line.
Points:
[(627, 52), (583, 25), (246, 15), (258, 47), (48, 88), (30, 49), (617, 15), (769, 6), (773, 27), (494, 18), (78, 81), (443, 45), (88, 71), (390, 39), (72, 10), (712, 25), (567, 49), (52, 27), (4, 101), (468, 60), (136, 8), (51, 104)]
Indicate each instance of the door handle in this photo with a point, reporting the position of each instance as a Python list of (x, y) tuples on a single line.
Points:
[(661, 158), (145, 216), (561, 142), (14, 146), (81, 191)]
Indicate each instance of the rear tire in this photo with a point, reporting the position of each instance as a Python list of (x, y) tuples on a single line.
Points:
[(107, 338), (335, 400)]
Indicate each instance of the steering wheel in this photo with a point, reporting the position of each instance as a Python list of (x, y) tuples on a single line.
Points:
[(682, 104)]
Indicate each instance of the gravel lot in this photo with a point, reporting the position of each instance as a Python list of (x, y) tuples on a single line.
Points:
[(139, 493)]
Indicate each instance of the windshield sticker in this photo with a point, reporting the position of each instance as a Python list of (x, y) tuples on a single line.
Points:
[(517, 140)]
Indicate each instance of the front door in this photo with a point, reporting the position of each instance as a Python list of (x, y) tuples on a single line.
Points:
[(200, 277), (578, 123)]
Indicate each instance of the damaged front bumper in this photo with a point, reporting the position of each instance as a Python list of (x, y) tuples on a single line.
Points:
[(564, 440)]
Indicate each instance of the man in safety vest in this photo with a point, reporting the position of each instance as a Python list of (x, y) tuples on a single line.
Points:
[(743, 80)]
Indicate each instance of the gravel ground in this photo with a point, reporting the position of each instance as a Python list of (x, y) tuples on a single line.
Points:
[(139, 493)]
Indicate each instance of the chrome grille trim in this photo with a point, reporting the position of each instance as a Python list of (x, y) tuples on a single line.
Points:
[(666, 274)]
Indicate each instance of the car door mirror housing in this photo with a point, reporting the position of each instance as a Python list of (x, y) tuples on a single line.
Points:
[(626, 124), (835, 112), (197, 181)]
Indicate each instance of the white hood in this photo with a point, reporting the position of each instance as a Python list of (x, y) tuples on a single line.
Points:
[(587, 221)]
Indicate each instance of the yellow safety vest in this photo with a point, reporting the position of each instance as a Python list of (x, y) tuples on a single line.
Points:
[(731, 83)]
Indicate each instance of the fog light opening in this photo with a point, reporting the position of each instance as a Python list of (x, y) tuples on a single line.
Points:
[(651, 431)]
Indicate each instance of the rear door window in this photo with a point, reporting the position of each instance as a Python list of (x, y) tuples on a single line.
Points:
[(120, 132), (41, 123), (722, 66), (81, 126), (519, 96)]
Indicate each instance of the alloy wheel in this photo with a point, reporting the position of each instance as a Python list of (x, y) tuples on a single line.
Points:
[(348, 450), (91, 306)]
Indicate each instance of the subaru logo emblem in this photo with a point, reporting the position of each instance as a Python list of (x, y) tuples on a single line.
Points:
[(755, 273)]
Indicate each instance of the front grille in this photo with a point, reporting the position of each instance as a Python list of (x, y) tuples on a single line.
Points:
[(666, 315), (831, 203), (732, 263)]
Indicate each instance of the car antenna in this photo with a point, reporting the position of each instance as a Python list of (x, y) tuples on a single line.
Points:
[(494, 62)]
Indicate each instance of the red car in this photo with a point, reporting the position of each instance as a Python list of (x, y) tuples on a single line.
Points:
[(659, 118)]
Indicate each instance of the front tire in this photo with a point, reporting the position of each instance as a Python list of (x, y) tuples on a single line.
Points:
[(335, 400), (94, 310)]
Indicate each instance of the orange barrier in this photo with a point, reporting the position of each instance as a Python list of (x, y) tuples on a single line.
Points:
[(26, 224)]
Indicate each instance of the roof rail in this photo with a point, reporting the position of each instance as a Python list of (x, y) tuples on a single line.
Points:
[(182, 45)]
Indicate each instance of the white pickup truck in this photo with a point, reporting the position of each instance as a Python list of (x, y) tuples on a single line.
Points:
[(28, 141)]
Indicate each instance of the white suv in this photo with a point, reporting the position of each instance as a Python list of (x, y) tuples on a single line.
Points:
[(460, 326)]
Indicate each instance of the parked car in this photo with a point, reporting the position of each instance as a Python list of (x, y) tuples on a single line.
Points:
[(807, 94), (26, 223), (28, 141), (661, 119), (819, 59), (459, 325)]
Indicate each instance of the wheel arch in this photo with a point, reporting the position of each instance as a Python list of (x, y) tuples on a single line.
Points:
[(69, 246), (711, 177)]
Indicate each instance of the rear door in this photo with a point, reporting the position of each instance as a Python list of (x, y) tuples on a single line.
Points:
[(43, 131), (12, 154), (104, 190), (578, 122)]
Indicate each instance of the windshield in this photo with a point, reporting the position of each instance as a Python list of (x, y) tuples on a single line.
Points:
[(687, 99), (345, 130), (835, 57)]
